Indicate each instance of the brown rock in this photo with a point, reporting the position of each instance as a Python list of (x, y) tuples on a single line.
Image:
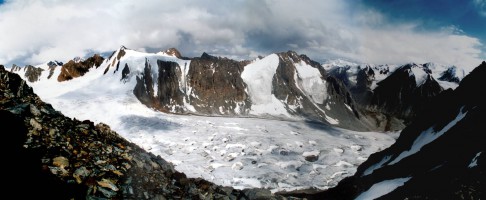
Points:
[(60, 162)]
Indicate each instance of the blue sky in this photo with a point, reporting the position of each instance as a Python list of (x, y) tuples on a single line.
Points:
[(466, 16), (371, 31)]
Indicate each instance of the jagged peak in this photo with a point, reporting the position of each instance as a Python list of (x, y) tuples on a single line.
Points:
[(207, 56), (54, 63), (173, 52)]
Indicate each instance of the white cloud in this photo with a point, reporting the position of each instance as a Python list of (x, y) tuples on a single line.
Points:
[(36, 31)]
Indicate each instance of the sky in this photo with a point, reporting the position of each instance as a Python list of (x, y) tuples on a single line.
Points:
[(369, 31)]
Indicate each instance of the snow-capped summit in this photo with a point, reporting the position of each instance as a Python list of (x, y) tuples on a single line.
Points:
[(405, 91), (420, 72), (333, 63), (452, 74), (172, 52)]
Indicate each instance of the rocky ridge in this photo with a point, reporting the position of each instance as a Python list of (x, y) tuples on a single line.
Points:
[(284, 85), (81, 160)]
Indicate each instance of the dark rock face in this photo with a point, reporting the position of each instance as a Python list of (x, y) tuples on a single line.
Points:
[(66, 158), (125, 72), (215, 86), (73, 69), (32, 73), (144, 89), (169, 93), (451, 165), (362, 90), (116, 62), (399, 95)]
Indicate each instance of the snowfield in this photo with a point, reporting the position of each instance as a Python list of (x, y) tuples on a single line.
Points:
[(238, 152)]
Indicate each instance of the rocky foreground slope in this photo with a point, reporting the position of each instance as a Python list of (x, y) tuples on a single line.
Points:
[(54, 157), (440, 155)]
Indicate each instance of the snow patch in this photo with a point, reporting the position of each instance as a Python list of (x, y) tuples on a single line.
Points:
[(310, 81), (427, 137), (474, 161), (382, 188), (258, 76), (376, 166), (348, 107), (331, 120)]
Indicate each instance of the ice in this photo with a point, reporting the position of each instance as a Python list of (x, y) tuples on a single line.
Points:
[(338, 150), (474, 161), (237, 166), (337, 174), (343, 163), (382, 188), (311, 153), (241, 183)]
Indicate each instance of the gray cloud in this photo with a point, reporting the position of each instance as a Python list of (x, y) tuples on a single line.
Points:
[(35, 31)]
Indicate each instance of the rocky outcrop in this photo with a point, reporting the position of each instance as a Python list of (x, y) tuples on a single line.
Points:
[(74, 69), (32, 73), (65, 158), (362, 91), (215, 86), (144, 90), (173, 52), (440, 155)]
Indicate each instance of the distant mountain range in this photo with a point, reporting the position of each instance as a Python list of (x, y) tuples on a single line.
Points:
[(282, 85)]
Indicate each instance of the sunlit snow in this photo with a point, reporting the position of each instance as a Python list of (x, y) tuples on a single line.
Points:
[(382, 188), (419, 74), (474, 161), (258, 76)]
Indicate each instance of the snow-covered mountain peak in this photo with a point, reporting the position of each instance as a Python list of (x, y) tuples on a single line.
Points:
[(171, 52), (452, 74), (333, 63), (420, 72)]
